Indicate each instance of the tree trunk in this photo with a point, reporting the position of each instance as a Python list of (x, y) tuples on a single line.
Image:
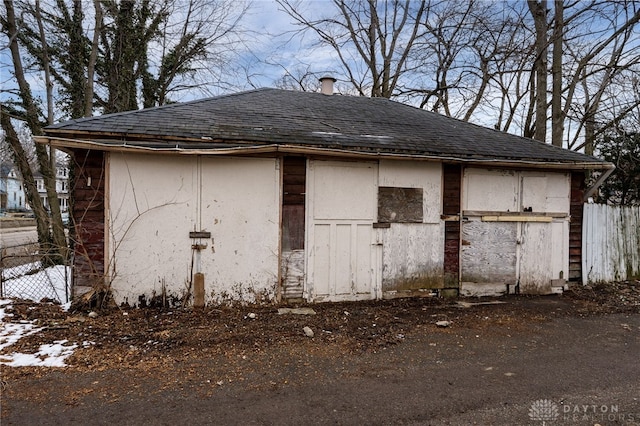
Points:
[(93, 58), (122, 81), (557, 115), (538, 10), (44, 162), (21, 161)]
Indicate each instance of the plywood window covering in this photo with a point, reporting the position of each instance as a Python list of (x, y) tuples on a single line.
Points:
[(400, 205)]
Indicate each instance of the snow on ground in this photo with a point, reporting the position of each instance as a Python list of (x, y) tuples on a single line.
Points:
[(12, 332), (48, 355), (4, 303), (30, 281)]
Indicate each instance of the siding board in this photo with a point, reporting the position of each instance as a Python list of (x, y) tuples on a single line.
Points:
[(452, 182), (412, 258), (88, 214), (536, 257), (611, 236), (575, 226)]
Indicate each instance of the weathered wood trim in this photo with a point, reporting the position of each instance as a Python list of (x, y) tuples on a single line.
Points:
[(516, 218), (293, 194), (515, 214), (451, 206), (89, 218), (108, 252), (611, 238), (230, 147), (575, 226), (293, 181), (378, 225)]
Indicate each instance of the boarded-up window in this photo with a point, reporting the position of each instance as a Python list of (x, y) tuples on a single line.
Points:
[(400, 205)]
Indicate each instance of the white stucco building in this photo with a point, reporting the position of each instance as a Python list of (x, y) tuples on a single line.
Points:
[(273, 195)]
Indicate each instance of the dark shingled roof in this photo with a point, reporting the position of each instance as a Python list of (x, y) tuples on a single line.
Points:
[(347, 123)]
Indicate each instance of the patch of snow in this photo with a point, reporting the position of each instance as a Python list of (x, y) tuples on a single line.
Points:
[(20, 270), (4, 302), (49, 355), (12, 332), (31, 282)]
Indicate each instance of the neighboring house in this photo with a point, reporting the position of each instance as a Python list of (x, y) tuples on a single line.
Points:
[(13, 197), (62, 187), (279, 195)]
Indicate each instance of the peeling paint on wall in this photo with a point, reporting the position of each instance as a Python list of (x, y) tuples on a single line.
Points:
[(611, 243), (425, 279), (153, 213), (412, 257), (241, 293), (292, 274), (515, 231)]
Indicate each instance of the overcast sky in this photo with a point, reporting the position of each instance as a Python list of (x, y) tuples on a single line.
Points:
[(271, 48), (277, 43)]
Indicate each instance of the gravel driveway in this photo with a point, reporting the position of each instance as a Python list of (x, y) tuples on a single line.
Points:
[(571, 359)]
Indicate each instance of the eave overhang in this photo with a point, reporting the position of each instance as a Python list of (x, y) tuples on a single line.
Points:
[(244, 148)]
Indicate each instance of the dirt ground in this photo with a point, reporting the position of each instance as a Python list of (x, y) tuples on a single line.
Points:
[(384, 362)]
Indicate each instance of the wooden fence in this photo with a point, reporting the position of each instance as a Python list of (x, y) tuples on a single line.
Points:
[(610, 243)]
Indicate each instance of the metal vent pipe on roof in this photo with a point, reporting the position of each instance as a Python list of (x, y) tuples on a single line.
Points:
[(327, 85)]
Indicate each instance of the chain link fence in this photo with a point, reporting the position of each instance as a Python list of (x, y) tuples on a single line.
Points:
[(26, 274)]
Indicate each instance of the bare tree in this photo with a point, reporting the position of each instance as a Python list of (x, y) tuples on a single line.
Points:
[(557, 114), (32, 117), (162, 48), (538, 10), (198, 45), (372, 40), (596, 63), (467, 56), (488, 62), (20, 159), (123, 55), (592, 44), (135, 54)]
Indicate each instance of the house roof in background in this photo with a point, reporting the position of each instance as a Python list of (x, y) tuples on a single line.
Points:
[(5, 169), (274, 117)]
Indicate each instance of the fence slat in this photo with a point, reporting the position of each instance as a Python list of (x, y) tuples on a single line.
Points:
[(611, 243)]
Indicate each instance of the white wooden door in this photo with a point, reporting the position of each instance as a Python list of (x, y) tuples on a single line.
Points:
[(544, 255), (340, 247)]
